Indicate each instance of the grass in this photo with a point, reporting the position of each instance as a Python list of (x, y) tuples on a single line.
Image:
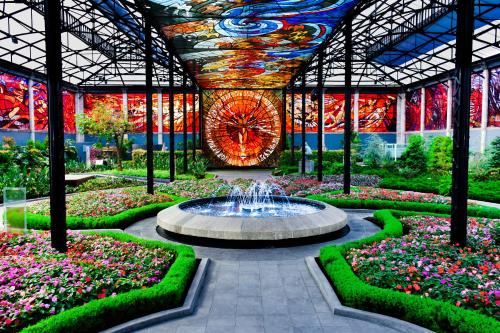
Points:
[(101, 314)]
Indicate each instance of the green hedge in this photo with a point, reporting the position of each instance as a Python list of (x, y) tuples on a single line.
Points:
[(479, 211), (436, 315), (118, 221), (163, 174), (161, 159), (486, 190), (328, 156), (101, 314)]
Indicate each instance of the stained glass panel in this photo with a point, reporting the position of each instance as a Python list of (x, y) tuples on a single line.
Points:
[(494, 98), (413, 110), (14, 113), (377, 112), (436, 101)]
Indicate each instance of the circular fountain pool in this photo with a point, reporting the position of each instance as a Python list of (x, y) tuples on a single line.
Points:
[(282, 220)]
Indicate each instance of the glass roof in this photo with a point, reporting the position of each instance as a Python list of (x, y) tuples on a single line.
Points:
[(247, 44)]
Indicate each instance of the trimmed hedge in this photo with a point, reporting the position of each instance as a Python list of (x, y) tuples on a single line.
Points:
[(436, 315), (101, 314), (163, 174), (479, 211), (118, 221)]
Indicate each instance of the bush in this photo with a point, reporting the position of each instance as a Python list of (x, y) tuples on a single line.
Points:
[(413, 161), (101, 314), (433, 314), (161, 159), (199, 167), (493, 154), (440, 154), (373, 154)]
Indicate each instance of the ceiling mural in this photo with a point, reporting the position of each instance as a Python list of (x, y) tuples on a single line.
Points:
[(247, 44)]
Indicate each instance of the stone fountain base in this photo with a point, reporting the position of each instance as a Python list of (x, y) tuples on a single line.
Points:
[(325, 221)]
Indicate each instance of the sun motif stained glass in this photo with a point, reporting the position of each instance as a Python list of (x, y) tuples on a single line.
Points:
[(244, 43), (242, 127)]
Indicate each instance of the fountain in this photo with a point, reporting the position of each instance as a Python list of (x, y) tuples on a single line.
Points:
[(263, 212)]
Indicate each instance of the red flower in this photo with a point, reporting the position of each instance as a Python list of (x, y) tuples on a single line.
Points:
[(79, 291), (416, 287), (87, 280), (99, 296)]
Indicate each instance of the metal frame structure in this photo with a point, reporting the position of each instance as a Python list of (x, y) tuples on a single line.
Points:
[(108, 45)]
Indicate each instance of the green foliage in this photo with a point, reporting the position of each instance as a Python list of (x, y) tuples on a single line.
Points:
[(70, 152), (433, 314), (199, 167), (493, 154), (374, 155), (413, 161), (440, 154), (103, 183), (101, 314), (161, 159), (479, 211), (118, 221)]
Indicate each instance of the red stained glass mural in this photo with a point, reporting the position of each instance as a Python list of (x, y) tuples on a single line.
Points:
[(436, 101), (377, 112), (476, 100), (113, 101), (40, 106), (311, 113), (335, 112), (242, 127), (413, 110), (178, 113), (494, 98), (136, 107), (14, 112), (69, 111)]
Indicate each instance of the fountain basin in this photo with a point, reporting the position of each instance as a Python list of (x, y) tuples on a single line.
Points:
[(319, 219)]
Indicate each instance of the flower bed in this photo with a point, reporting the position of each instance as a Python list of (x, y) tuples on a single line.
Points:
[(372, 193), (102, 203), (203, 188), (37, 282), (424, 263), (103, 183)]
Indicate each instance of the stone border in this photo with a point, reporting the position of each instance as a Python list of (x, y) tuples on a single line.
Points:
[(185, 310), (338, 309), (178, 221)]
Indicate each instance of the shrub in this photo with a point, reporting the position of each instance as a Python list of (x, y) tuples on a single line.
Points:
[(493, 154), (373, 154), (199, 167), (440, 154), (413, 161)]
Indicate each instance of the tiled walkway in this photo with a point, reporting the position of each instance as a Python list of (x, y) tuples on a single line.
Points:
[(263, 290)]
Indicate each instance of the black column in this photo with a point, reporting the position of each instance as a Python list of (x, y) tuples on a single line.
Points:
[(193, 124), (200, 110), (461, 114), (56, 124), (347, 109), (283, 121), (171, 132), (303, 127), (184, 126), (149, 106), (292, 138), (320, 115)]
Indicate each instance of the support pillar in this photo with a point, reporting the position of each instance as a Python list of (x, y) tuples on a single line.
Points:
[(356, 111), (200, 110), (449, 107), (401, 118), (193, 124), (184, 126), (171, 119), (149, 106), (422, 111), (461, 120), (321, 104), (283, 121), (159, 95), (79, 109), (484, 109), (56, 125), (347, 113), (125, 108), (31, 109), (303, 125), (292, 138)]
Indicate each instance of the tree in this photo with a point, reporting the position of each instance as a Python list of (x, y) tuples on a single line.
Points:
[(440, 154), (493, 154), (107, 124), (413, 161), (374, 155)]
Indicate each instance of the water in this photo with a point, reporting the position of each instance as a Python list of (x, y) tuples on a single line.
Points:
[(261, 199)]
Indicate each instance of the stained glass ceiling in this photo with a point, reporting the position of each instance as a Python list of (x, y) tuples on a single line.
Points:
[(247, 44)]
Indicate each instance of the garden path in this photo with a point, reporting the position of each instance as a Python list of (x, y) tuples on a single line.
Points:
[(263, 290)]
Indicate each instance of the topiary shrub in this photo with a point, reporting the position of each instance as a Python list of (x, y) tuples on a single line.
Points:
[(440, 154), (413, 161)]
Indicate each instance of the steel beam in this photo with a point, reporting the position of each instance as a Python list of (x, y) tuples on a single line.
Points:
[(303, 123), (461, 119), (184, 127), (320, 115), (347, 109), (171, 131), (56, 125), (193, 124), (149, 106), (292, 141)]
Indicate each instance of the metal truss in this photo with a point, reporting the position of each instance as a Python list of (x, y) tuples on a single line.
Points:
[(380, 27), (102, 43)]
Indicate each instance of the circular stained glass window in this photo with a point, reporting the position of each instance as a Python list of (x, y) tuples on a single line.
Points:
[(243, 128)]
